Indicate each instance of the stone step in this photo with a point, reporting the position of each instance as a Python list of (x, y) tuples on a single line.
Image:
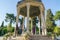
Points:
[(38, 37), (33, 37), (18, 38)]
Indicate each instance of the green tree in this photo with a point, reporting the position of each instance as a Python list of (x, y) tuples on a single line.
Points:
[(1, 28), (0, 31), (2, 25), (37, 29), (10, 28), (50, 23), (10, 18), (57, 31), (35, 21), (21, 26), (57, 16), (3, 31)]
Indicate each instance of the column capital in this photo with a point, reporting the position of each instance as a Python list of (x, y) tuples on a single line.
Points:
[(28, 4), (41, 8), (18, 11)]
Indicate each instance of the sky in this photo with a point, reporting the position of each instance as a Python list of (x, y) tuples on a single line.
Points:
[(9, 6)]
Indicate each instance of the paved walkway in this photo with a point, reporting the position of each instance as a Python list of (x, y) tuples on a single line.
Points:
[(1, 38)]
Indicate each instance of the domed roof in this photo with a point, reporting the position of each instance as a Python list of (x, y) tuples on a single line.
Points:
[(29, 1), (34, 7)]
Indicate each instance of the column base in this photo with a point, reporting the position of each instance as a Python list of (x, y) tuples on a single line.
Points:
[(44, 32)]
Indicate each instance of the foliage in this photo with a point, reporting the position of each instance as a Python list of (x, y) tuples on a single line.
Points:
[(37, 29), (57, 31), (21, 21), (49, 34), (21, 26), (2, 25), (4, 30), (10, 28), (57, 16), (35, 20), (10, 18), (50, 23)]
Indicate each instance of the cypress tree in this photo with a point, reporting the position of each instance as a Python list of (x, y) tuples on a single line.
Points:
[(50, 23)]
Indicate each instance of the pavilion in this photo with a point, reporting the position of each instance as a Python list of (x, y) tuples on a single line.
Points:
[(30, 9)]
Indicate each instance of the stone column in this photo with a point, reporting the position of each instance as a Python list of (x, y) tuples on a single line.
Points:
[(28, 9), (39, 25), (35, 29), (45, 30), (23, 25), (43, 23), (17, 19), (31, 25)]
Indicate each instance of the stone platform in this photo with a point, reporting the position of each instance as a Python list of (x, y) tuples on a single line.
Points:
[(32, 37)]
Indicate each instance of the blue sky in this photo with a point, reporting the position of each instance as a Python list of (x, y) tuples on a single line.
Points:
[(9, 6)]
